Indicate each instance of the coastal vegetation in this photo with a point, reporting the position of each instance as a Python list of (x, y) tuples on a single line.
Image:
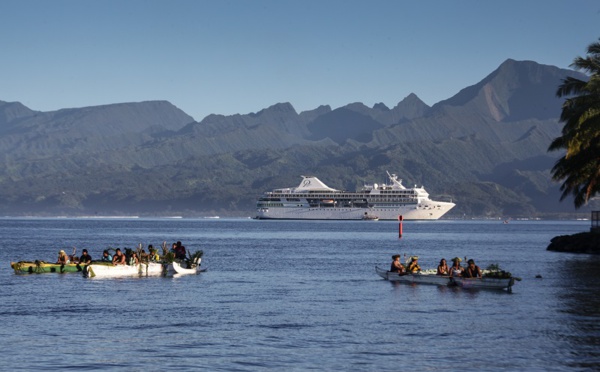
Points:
[(579, 167)]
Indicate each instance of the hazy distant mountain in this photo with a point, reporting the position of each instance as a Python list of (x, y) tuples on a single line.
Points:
[(30, 135), (12, 112), (342, 124), (515, 91), (485, 148), (409, 108)]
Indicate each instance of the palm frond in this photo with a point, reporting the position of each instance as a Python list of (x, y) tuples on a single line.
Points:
[(579, 168)]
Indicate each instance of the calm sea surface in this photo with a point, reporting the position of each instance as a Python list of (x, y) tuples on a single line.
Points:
[(291, 295)]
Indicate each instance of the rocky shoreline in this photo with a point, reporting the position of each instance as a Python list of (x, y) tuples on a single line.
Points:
[(584, 242)]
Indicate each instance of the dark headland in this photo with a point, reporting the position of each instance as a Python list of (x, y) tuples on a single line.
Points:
[(583, 242)]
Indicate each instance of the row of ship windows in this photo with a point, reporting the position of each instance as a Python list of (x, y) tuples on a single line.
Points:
[(343, 196), (341, 201), (280, 205)]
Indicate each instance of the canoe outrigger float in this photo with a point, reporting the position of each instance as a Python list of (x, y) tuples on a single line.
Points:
[(41, 267), (432, 278)]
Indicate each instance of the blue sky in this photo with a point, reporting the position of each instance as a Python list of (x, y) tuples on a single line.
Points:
[(240, 56)]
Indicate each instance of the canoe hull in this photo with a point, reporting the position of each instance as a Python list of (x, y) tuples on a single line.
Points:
[(40, 267), (414, 278), (123, 271), (485, 283)]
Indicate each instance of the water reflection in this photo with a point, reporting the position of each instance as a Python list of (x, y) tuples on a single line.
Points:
[(445, 290), (581, 300)]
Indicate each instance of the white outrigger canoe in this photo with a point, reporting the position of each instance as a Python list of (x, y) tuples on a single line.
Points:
[(120, 271), (432, 278)]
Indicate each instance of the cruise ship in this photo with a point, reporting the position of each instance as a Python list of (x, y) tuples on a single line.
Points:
[(314, 200)]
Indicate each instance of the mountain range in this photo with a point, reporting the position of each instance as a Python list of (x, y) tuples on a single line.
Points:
[(485, 148)]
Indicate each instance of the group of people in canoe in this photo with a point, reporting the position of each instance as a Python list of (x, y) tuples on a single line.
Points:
[(63, 258), (456, 270), (129, 257)]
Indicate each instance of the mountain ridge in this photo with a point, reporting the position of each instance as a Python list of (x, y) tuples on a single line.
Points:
[(485, 147)]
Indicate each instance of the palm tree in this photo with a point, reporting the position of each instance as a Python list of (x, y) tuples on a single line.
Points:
[(580, 166)]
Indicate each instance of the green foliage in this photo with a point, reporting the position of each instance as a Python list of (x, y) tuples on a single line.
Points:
[(579, 168), (189, 262), (494, 271), (169, 257), (493, 267), (192, 258)]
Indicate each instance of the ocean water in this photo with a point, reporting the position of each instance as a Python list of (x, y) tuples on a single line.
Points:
[(295, 296)]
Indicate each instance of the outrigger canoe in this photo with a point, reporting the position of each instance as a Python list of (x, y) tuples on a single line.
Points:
[(432, 278), (40, 267), (108, 270)]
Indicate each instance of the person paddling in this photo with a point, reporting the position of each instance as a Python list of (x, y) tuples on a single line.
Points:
[(179, 251), (119, 258), (106, 257), (413, 266), (396, 266), (153, 254), (442, 268), (85, 258), (62, 258), (472, 270), (456, 269)]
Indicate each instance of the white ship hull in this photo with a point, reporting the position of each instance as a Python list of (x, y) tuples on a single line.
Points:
[(313, 200), (433, 212)]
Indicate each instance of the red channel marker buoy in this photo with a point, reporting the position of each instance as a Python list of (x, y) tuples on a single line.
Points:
[(400, 218)]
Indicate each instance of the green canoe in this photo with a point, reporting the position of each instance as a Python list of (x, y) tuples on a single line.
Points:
[(40, 267)]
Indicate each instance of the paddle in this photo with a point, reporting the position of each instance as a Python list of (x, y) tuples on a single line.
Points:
[(139, 255)]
